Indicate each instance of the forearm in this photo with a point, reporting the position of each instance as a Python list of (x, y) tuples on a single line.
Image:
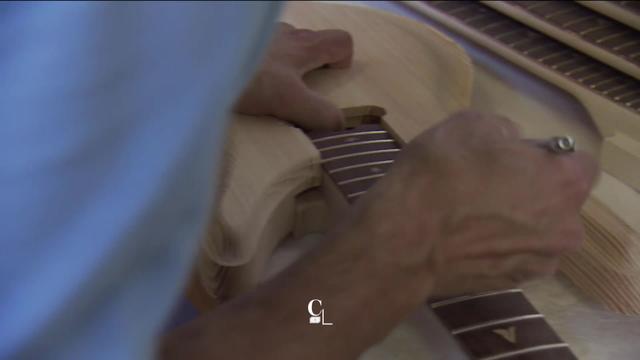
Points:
[(362, 300)]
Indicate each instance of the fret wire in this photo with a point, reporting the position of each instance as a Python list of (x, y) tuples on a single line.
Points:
[(493, 25), (551, 56), (463, 298), (457, 10), (549, 16), (361, 178), (541, 46), (352, 195), (497, 37), (604, 81), (599, 27), (576, 21), (366, 142), (525, 351), (535, 5), (495, 322), (581, 80), (556, 66), (580, 68), (332, 137), (624, 45), (359, 154), (480, 20), (475, 17), (605, 92), (373, 163), (611, 36), (520, 41), (618, 97), (630, 103)]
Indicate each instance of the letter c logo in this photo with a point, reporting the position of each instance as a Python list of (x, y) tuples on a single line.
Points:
[(310, 307)]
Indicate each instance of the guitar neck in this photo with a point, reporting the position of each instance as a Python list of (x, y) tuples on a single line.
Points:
[(488, 326), (602, 89)]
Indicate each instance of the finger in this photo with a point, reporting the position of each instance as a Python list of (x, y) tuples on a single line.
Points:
[(309, 109), (486, 127), (325, 47)]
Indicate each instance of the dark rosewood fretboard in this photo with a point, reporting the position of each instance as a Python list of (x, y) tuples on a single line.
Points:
[(603, 80), (488, 326), (587, 27)]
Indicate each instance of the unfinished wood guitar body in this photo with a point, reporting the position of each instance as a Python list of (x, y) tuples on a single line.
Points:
[(417, 75), (273, 175)]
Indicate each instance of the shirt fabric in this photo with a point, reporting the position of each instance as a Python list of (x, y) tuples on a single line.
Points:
[(112, 117)]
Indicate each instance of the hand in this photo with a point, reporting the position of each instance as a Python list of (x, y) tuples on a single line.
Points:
[(468, 206), (278, 89)]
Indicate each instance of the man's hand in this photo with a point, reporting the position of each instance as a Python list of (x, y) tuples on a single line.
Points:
[(472, 206), (278, 89), (467, 206)]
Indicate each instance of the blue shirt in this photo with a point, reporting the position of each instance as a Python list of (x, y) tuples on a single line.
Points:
[(112, 117)]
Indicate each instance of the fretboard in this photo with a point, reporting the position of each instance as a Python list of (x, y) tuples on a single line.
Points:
[(584, 29), (488, 326), (546, 53), (627, 12)]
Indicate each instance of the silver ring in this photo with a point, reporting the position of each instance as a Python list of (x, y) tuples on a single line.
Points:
[(560, 144)]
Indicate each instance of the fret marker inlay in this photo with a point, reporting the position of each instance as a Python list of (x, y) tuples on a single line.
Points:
[(508, 334)]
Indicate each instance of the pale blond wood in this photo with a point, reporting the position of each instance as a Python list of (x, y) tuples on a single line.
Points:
[(417, 75), (608, 117), (613, 11), (268, 163), (606, 267), (618, 151), (570, 38)]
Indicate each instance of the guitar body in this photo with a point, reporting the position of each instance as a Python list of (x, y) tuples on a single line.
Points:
[(417, 75), (273, 184)]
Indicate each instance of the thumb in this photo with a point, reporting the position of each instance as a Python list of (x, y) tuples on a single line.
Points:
[(308, 109)]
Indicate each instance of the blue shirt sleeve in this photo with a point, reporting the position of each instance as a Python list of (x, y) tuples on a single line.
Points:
[(112, 117)]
